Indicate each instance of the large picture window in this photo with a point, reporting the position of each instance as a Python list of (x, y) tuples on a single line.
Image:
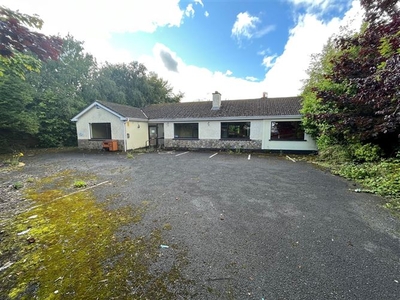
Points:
[(287, 131), (186, 130), (100, 131), (235, 130)]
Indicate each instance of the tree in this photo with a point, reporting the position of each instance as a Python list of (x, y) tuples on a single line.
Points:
[(313, 108), (59, 93), (362, 87), (160, 91), (378, 11), (18, 40), (17, 121), (130, 84)]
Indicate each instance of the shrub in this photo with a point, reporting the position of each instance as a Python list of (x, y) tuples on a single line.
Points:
[(365, 153), (335, 153)]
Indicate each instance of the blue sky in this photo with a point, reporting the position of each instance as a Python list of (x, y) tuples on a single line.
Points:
[(241, 48)]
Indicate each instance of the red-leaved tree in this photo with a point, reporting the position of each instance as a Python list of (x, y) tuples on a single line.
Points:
[(367, 65), (15, 36)]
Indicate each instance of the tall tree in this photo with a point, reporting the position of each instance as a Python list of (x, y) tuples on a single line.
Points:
[(366, 107), (17, 121), (60, 93), (131, 84), (17, 40)]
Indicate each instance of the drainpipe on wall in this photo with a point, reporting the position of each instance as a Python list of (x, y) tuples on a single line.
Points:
[(125, 139)]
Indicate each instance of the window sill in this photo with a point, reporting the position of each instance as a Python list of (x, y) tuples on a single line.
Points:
[(288, 140), (99, 139), (235, 139)]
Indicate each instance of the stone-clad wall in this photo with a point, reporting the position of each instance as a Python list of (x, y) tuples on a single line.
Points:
[(213, 144), (97, 144)]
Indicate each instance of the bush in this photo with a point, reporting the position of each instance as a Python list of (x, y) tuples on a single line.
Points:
[(335, 153), (365, 153)]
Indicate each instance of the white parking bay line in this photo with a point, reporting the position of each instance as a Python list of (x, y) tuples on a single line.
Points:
[(249, 157), (182, 153), (211, 156)]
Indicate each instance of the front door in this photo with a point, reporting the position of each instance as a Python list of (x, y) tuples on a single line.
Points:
[(153, 138)]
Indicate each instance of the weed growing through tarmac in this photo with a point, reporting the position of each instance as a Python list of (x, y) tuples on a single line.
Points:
[(80, 184), (18, 185), (70, 249)]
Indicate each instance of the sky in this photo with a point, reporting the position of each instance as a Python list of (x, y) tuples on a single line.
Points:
[(240, 48)]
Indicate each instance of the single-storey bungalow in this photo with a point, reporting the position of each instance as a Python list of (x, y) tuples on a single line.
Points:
[(253, 124)]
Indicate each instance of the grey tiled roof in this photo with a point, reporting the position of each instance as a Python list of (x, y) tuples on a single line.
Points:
[(287, 106), (124, 110), (229, 108)]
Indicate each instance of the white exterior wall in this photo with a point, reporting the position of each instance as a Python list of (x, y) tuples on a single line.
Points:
[(256, 130), (210, 130), (168, 130), (99, 116), (138, 134), (307, 145)]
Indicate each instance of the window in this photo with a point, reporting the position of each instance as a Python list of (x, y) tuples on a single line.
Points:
[(287, 131), (237, 130), (100, 131), (186, 130)]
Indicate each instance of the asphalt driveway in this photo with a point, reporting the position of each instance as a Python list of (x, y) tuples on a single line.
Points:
[(259, 227)]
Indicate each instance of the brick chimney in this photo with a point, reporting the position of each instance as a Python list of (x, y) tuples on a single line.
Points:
[(216, 101)]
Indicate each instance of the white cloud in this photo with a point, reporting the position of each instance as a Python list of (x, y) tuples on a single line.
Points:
[(251, 78), (321, 6), (228, 73), (189, 12), (206, 14), (87, 17), (199, 2), (264, 31), (269, 61), (198, 83), (306, 38), (245, 25), (94, 22)]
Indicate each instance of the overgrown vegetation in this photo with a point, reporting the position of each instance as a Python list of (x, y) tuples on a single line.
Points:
[(351, 102), (381, 177), (14, 160), (69, 246), (352, 98)]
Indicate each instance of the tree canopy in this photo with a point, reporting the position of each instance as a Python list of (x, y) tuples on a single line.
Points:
[(18, 42), (353, 94)]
